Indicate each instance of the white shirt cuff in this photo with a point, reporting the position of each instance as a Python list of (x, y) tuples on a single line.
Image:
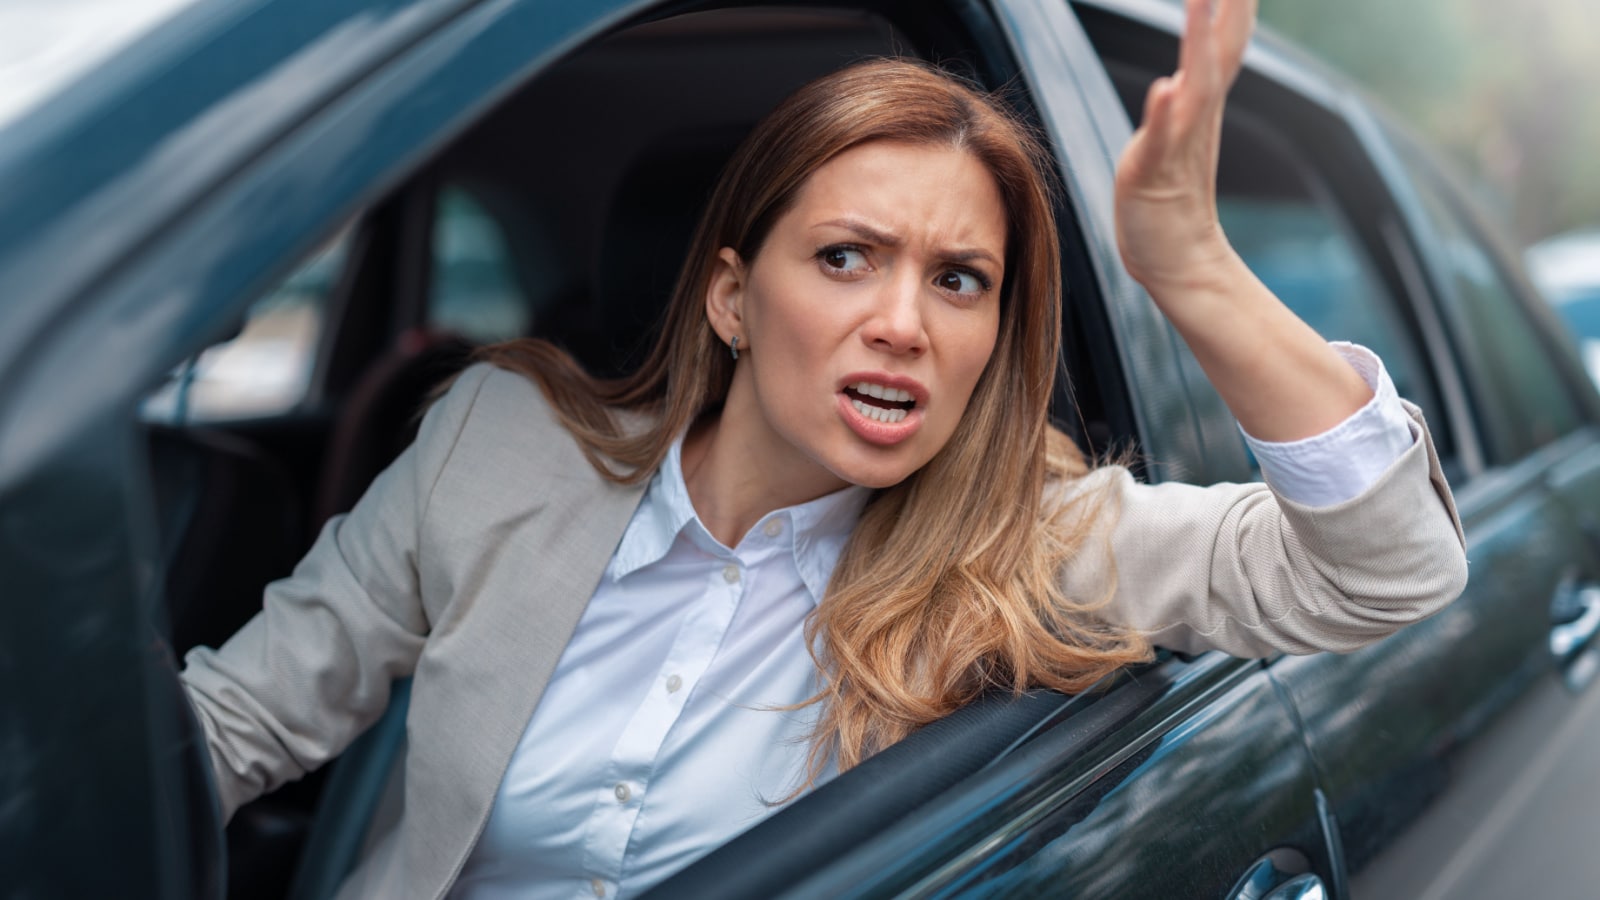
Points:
[(1342, 462)]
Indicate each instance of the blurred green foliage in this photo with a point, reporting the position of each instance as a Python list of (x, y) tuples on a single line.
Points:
[(1508, 88)]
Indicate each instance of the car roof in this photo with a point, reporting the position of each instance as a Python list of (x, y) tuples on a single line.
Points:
[(1270, 54), (135, 132)]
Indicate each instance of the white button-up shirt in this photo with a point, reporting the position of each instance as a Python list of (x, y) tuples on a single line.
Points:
[(659, 736)]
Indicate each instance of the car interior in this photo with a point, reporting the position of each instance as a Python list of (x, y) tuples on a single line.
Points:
[(563, 213)]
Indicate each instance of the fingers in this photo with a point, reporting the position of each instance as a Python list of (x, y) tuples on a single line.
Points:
[(1236, 19), (1154, 128), (1215, 35), (1197, 50), (1159, 95)]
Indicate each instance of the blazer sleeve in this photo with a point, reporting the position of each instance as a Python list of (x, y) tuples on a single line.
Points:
[(1234, 567), (313, 669)]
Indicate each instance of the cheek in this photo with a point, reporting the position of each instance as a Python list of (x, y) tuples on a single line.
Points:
[(792, 343), (971, 352), (802, 324)]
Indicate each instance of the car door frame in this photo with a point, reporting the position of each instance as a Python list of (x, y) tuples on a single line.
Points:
[(129, 262)]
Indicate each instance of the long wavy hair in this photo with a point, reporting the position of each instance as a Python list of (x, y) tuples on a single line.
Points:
[(948, 587)]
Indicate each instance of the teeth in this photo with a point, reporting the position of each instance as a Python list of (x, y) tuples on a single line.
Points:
[(879, 414), (878, 391)]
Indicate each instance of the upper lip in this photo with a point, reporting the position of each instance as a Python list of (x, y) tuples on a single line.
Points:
[(919, 394)]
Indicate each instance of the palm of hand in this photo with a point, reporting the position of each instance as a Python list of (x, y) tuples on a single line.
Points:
[(1167, 228)]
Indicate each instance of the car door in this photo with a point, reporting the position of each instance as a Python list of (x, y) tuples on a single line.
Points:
[(1181, 779), (143, 210), (1502, 739)]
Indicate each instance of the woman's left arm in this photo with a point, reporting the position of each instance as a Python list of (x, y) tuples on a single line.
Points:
[(1333, 555), (1281, 380)]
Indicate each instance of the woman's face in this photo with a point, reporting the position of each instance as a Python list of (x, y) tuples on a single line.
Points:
[(868, 313)]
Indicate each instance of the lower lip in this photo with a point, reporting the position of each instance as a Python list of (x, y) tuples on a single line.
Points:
[(884, 434)]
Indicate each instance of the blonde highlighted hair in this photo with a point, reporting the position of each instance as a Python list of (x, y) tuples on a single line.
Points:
[(948, 587)]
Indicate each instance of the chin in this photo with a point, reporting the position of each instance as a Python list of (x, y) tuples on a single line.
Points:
[(877, 473)]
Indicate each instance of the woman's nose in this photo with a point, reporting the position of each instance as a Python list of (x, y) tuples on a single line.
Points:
[(895, 325)]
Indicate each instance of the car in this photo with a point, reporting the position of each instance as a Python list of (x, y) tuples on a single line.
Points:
[(239, 249), (1566, 268)]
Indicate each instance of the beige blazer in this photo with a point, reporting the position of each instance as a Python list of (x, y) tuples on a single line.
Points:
[(469, 562)]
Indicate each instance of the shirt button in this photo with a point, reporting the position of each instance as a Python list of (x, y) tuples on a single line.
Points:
[(673, 683), (773, 528), (730, 573), (622, 793), (598, 886)]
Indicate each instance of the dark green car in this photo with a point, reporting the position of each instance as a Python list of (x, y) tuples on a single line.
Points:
[(238, 248)]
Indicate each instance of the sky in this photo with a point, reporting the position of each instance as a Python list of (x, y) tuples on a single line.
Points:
[(45, 43)]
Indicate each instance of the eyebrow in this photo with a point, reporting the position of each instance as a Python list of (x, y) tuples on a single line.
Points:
[(878, 236)]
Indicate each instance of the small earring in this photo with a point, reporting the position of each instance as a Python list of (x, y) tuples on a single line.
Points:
[(733, 346)]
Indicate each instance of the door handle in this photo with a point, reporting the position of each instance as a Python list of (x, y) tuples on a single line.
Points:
[(1267, 880), (1575, 612), (1300, 887)]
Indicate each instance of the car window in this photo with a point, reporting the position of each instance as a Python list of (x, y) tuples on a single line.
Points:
[(474, 291), (1281, 216), (1523, 389), (1307, 210), (1281, 211), (266, 368)]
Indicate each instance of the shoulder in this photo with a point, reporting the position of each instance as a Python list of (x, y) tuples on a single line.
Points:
[(500, 422), (487, 399), (485, 390)]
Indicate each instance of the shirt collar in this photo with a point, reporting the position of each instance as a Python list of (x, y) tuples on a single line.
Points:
[(817, 529)]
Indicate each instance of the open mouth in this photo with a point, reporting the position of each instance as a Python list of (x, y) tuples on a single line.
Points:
[(880, 403)]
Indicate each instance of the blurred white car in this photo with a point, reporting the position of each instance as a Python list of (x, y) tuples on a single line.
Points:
[(1567, 269)]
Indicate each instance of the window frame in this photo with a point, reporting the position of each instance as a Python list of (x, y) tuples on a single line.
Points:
[(1325, 122), (1419, 169)]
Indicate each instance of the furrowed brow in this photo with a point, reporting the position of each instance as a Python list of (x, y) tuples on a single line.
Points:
[(864, 231), (961, 256), (883, 238)]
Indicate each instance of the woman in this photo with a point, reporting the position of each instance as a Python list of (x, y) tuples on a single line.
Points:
[(827, 510)]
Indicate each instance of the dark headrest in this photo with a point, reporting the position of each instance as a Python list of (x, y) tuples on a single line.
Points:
[(653, 213)]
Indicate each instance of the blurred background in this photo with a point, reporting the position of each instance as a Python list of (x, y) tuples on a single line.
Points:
[(1509, 92)]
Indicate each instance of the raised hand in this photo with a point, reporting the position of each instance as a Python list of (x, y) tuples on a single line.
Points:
[(1278, 376), (1167, 225)]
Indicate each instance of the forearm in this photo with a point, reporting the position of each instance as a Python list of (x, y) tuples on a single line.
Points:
[(1237, 568), (1279, 377)]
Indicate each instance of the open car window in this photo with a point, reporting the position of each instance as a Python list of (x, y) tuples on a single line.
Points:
[(1281, 208), (1282, 217), (266, 368)]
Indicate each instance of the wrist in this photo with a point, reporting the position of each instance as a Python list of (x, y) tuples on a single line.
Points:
[(1208, 272)]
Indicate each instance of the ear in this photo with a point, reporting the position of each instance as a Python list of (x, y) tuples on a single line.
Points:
[(725, 296)]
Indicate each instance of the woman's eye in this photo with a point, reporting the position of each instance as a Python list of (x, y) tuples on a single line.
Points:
[(958, 281), (844, 259)]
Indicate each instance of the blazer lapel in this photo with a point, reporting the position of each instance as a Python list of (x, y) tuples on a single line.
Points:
[(531, 537)]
